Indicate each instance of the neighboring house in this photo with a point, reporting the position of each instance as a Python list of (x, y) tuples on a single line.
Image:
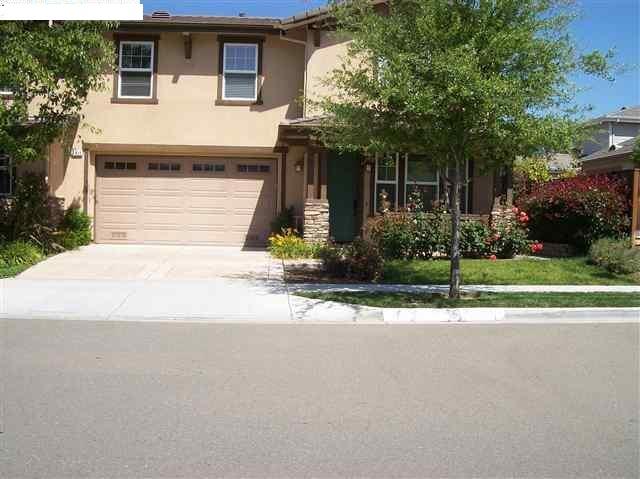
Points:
[(613, 129), (618, 160), (201, 138)]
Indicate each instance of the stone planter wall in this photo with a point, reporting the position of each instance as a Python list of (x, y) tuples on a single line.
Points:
[(316, 221)]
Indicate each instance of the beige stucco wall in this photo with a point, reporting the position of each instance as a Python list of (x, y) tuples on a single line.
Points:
[(187, 90), (186, 119), (320, 62)]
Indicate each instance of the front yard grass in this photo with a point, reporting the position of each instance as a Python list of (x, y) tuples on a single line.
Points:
[(483, 300), (573, 271)]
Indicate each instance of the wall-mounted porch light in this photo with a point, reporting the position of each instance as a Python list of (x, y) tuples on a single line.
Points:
[(298, 166)]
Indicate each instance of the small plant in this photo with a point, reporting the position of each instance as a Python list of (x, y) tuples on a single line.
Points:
[(615, 255), (284, 221), (361, 261), (19, 253), (75, 229), (289, 245)]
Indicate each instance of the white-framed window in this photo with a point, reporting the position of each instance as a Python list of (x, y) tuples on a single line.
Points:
[(422, 178), (6, 176), (135, 72), (240, 71), (386, 181)]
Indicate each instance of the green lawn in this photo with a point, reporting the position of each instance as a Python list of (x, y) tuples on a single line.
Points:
[(483, 300), (11, 271), (524, 271)]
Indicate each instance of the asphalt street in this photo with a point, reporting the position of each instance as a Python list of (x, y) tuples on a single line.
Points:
[(125, 399)]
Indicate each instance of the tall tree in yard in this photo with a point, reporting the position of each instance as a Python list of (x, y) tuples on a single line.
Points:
[(457, 80), (46, 73)]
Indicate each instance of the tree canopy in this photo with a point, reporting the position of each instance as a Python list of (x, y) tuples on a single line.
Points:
[(487, 80), (49, 70)]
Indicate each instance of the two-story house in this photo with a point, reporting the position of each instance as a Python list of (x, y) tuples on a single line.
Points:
[(202, 138), (613, 129)]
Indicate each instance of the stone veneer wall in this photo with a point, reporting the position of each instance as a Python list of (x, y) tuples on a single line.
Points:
[(316, 220), (502, 214)]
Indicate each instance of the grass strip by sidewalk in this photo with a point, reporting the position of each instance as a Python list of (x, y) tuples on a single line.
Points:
[(521, 271), (482, 300)]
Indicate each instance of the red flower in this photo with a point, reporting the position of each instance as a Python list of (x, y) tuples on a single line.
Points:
[(493, 257)]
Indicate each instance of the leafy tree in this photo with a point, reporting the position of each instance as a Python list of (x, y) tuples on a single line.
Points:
[(49, 69), (487, 80)]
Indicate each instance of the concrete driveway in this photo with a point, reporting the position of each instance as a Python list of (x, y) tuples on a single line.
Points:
[(149, 262), (144, 282)]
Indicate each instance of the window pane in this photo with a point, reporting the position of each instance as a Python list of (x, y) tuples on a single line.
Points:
[(135, 84), (5, 175), (427, 194), (135, 55), (387, 168), (420, 169), (240, 58), (385, 197), (240, 85)]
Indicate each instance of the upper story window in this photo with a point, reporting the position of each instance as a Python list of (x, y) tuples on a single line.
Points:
[(240, 71), (136, 67), (6, 176)]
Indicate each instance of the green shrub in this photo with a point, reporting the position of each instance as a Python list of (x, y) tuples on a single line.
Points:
[(75, 229), (28, 216), (360, 260), (615, 255), (284, 221), (432, 234), (475, 239), (509, 240), (19, 253), (394, 234), (288, 245)]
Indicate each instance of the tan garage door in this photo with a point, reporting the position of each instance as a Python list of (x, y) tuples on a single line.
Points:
[(184, 200)]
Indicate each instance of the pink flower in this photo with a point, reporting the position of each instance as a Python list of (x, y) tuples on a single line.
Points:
[(515, 209), (493, 257)]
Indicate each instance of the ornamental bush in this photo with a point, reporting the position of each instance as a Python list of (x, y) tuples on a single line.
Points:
[(75, 229), (360, 261), (615, 255), (288, 245), (578, 210)]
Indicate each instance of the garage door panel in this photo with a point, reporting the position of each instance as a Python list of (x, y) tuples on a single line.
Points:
[(219, 201)]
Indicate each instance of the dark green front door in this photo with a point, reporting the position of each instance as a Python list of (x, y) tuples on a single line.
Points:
[(343, 170)]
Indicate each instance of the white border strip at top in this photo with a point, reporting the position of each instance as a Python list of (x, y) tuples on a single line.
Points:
[(71, 10)]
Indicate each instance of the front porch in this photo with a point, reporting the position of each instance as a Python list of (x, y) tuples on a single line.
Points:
[(342, 191)]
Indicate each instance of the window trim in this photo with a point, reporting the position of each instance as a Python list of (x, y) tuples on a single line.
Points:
[(247, 73), (223, 40), (386, 182), (153, 99)]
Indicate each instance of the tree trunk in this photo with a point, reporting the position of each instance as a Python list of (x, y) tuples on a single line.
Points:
[(454, 278)]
